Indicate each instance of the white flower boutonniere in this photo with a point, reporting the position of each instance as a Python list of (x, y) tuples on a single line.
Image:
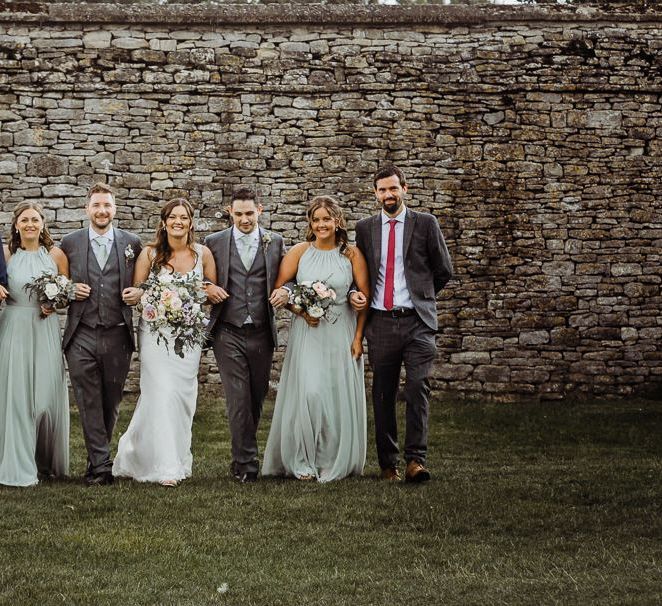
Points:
[(128, 253), (266, 240)]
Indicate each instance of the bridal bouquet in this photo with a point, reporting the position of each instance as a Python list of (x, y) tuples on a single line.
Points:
[(172, 308), (53, 291), (314, 298)]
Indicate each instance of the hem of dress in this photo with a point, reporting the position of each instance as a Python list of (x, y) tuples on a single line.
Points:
[(19, 485), (152, 479)]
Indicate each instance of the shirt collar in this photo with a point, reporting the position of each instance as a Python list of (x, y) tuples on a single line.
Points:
[(252, 237), (109, 235), (400, 218)]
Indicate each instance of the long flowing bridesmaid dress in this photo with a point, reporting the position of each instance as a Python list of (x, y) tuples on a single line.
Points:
[(34, 402), (319, 422)]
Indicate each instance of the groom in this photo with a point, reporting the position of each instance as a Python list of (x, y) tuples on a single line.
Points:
[(242, 324), (98, 338), (409, 264)]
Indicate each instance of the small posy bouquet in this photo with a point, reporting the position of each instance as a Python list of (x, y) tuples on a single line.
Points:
[(53, 291), (314, 298), (172, 308)]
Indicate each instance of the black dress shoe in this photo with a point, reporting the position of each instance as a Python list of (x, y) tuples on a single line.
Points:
[(100, 479), (248, 477)]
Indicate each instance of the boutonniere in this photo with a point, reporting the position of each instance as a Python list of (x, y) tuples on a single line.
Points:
[(128, 253), (266, 240)]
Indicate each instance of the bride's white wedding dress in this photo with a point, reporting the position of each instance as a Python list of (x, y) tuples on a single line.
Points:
[(156, 446)]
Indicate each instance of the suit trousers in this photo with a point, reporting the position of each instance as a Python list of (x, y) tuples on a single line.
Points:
[(98, 360), (392, 342), (244, 356)]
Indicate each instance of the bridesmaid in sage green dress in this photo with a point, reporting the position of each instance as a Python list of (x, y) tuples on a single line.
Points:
[(34, 403), (318, 430)]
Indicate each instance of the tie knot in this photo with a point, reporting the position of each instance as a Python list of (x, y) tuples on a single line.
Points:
[(392, 222), (101, 240)]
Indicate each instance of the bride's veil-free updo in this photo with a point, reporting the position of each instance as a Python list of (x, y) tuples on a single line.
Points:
[(333, 208), (15, 238), (162, 249)]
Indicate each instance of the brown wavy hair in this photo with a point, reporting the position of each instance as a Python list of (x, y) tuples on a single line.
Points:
[(160, 243), (333, 208), (15, 238)]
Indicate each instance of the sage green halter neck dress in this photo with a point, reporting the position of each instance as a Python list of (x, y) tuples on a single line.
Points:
[(34, 403), (319, 423)]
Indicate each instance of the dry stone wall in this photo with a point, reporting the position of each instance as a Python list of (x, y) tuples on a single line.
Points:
[(533, 135)]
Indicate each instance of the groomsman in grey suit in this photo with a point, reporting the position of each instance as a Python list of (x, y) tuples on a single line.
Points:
[(409, 264), (3, 274), (242, 324), (98, 339)]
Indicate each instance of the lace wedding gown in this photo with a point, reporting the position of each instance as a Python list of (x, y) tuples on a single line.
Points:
[(157, 444)]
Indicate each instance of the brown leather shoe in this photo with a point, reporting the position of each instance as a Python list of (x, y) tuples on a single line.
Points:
[(391, 474), (416, 472)]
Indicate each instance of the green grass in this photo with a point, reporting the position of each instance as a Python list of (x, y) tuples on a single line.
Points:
[(529, 504)]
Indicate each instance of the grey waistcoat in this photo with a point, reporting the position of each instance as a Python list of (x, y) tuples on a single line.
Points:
[(103, 305), (247, 291)]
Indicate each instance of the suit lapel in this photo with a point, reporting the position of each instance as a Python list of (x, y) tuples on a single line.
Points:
[(85, 252), (262, 249), (225, 250), (410, 224), (376, 235), (120, 244)]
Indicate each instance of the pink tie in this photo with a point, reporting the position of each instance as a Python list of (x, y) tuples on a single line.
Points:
[(390, 267)]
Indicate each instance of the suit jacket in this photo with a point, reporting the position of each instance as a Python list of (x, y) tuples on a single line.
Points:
[(428, 265), (75, 245), (3, 267), (219, 243)]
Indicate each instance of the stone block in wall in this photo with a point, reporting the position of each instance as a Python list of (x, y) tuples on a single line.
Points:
[(47, 165), (63, 190), (106, 106), (534, 337), (70, 215), (626, 269), (8, 116), (8, 167), (97, 39), (35, 137)]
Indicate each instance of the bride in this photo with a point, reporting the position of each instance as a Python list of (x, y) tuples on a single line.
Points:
[(157, 444)]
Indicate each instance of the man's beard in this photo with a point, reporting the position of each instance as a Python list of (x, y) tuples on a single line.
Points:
[(392, 205)]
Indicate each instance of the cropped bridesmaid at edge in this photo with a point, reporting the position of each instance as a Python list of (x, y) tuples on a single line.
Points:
[(34, 403)]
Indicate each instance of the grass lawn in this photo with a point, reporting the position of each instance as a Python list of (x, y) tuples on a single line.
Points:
[(529, 504)]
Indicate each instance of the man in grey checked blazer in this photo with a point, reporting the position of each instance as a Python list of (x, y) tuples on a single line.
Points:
[(98, 338), (409, 264), (242, 326)]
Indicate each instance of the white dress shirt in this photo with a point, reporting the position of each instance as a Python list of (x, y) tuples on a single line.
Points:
[(109, 235), (253, 239), (401, 296)]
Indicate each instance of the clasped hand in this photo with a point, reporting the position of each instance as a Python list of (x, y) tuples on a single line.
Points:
[(279, 297), (215, 294)]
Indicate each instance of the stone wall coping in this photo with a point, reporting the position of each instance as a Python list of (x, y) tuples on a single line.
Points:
[(319, 14)]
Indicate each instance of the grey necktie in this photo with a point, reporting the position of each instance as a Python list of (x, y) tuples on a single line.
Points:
[(101, 250), (245, 251)]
